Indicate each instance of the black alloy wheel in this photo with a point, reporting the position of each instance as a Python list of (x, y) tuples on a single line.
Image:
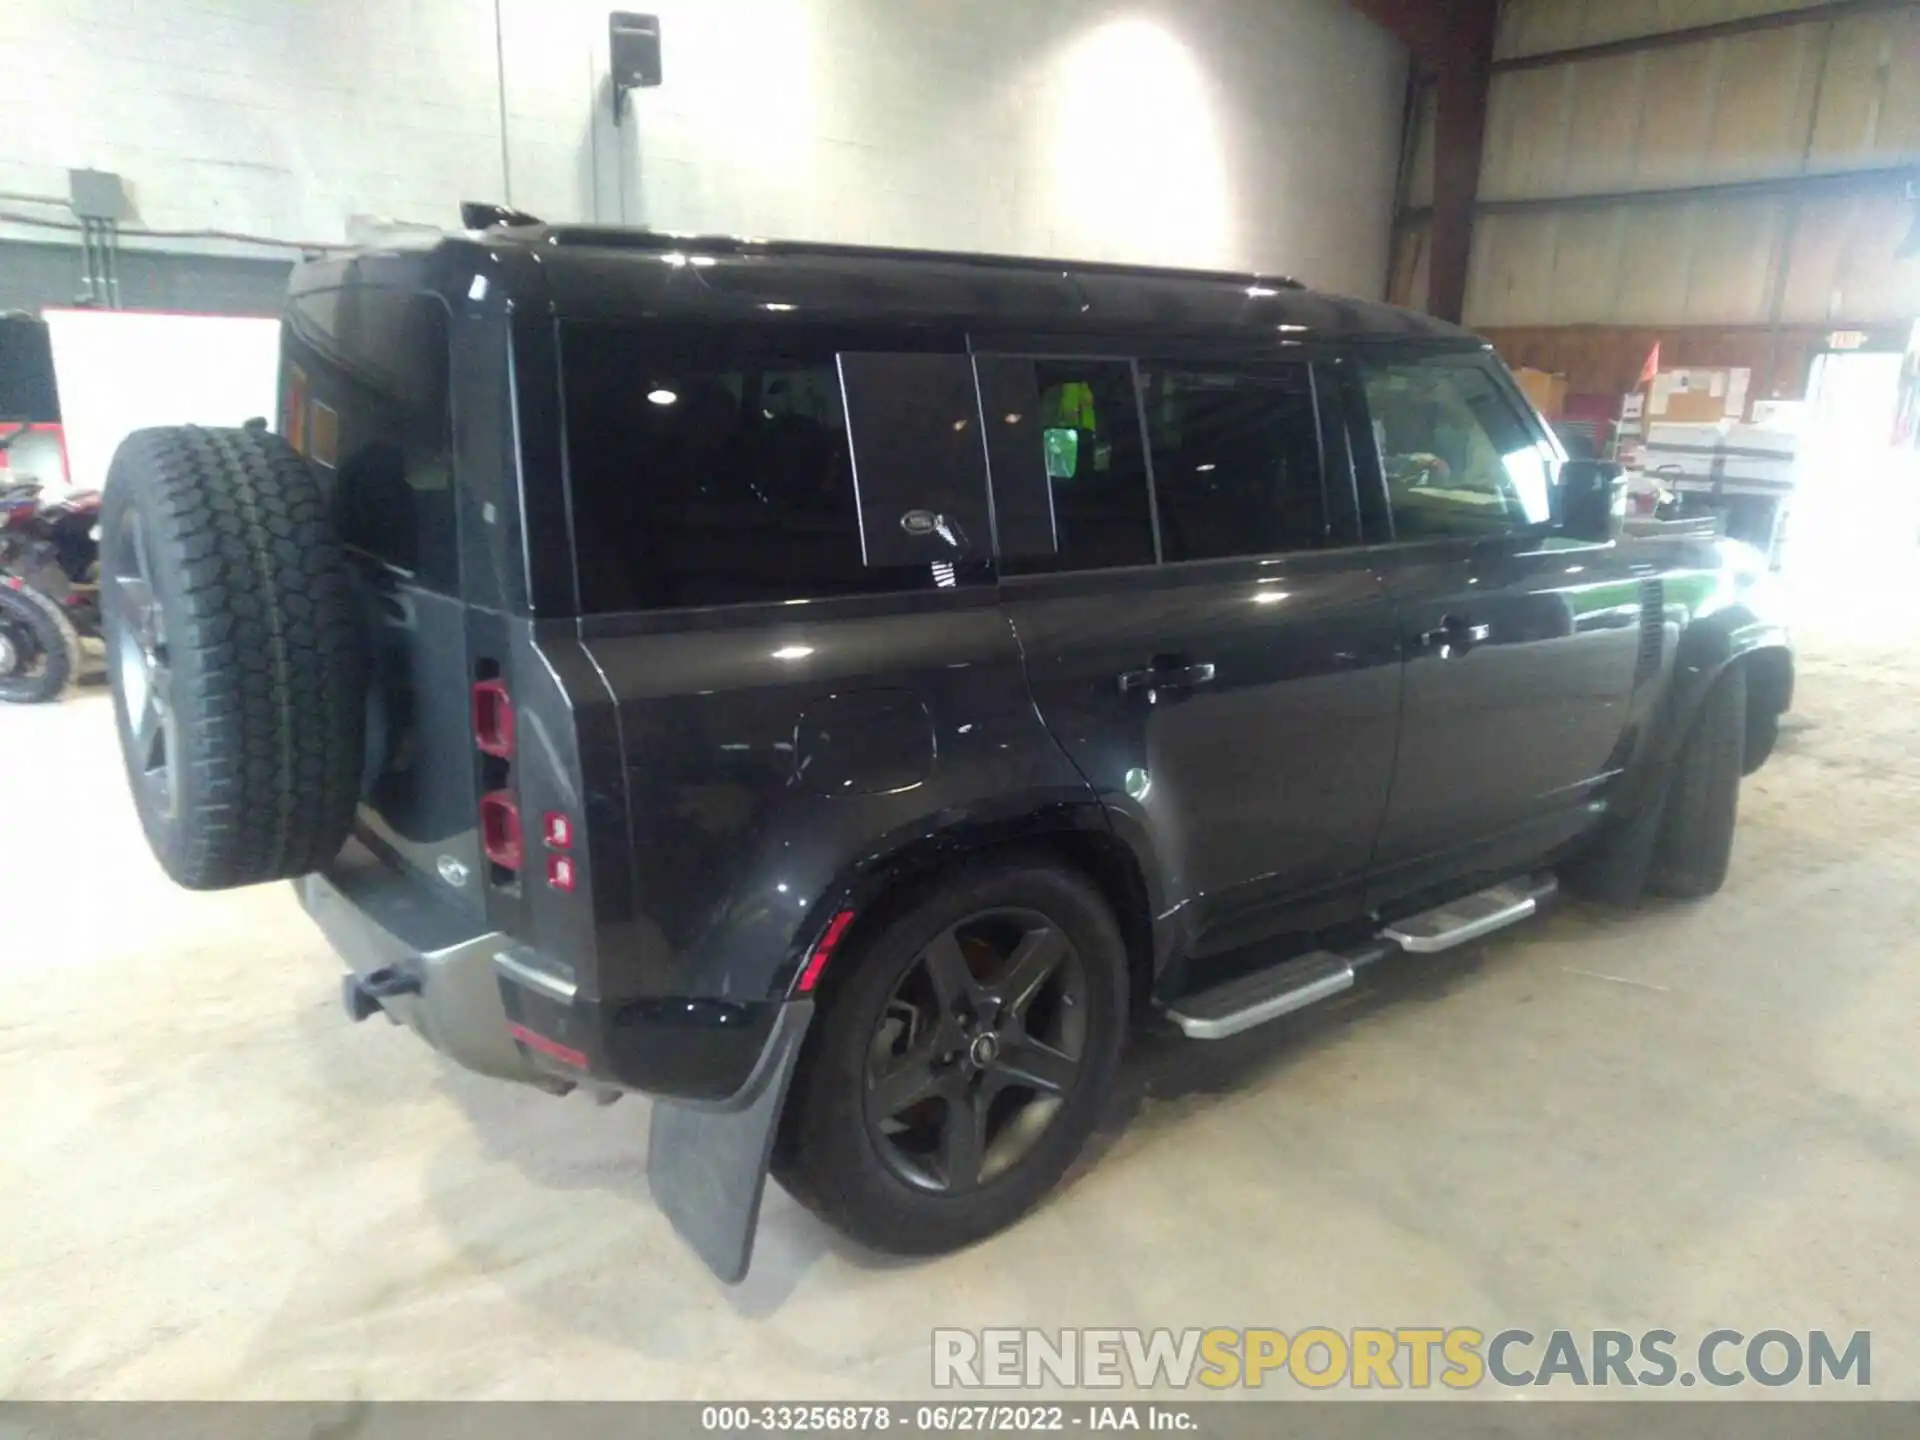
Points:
[(976, 1050), (963, 1048)]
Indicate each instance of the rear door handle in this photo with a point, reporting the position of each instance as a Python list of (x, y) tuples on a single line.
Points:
[(1454, 636), (1167, 677)]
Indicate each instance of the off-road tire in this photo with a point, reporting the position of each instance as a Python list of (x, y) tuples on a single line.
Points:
[(825, 1157), (1763, 736), (266, 665), (56, 638), (1696, 831)]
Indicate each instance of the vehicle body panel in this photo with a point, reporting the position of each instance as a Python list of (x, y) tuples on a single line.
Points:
[(1507, 739), (770, 754), (1265, 785)]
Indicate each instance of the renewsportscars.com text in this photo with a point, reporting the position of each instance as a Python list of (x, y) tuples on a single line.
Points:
[(1403, 1358)]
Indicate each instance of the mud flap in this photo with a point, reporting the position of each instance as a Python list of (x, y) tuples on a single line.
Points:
[(707, 1164)]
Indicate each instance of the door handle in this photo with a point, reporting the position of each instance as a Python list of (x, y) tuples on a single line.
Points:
[(1454, 636), (1166, 677)]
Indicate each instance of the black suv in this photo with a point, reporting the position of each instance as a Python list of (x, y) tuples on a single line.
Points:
[(839, 691)]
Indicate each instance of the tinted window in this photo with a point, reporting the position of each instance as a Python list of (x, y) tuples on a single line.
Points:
[(1456, 457), (1236, 463), (918, 461), (364, 394), (1089, 433), (705, 472), (1016, 456)]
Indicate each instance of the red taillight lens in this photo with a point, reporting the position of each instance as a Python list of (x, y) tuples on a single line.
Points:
[(558, 831), (493, 719), (823, 952), (560, 872), (500, 829)]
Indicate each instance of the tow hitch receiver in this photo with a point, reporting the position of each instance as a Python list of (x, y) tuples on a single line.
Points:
[(362, 994)]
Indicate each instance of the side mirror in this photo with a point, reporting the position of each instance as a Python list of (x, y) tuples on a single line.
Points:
[(1593, 500)]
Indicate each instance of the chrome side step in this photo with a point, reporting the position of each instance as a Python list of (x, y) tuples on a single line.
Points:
[(1471, 916), (1250, 1000), (1253, 999)]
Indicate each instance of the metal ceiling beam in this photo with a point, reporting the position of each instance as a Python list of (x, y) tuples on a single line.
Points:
[(1452, 40), (1438, 33), (1698, 34), (1867, 180)]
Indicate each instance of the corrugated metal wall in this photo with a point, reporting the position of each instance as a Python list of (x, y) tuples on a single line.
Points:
[(1754, 177)]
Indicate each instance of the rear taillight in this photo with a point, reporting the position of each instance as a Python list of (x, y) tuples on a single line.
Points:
[(500, 830), (501, 839), (493, 718)]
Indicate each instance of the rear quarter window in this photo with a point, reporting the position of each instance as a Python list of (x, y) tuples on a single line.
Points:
[(711, 468), (364, 394)]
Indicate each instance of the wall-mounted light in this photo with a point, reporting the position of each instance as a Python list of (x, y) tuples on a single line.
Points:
[(634, 45), (662, 396)]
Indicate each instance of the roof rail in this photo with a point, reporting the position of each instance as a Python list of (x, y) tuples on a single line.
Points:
[(484, 215), (622, 237)]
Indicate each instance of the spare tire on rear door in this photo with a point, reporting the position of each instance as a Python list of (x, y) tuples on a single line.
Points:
[(234, 654)]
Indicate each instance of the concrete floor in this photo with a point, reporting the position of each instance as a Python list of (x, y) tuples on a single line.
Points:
[(211, 1185)]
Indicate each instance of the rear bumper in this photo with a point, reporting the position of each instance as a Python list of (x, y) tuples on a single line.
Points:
[(491, 1004)]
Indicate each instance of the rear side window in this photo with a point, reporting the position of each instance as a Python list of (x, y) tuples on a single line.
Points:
[(711, 470), (919, 464), (1457, 459), (363, 393), (1089, 433), (1236, 462)]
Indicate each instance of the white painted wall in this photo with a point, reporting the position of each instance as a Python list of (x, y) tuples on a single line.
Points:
[(1257, 133)]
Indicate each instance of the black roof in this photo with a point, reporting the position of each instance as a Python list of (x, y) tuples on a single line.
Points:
[(602, 272)]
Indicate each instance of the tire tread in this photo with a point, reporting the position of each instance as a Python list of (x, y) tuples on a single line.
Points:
[(266, 656), (1695, 848)]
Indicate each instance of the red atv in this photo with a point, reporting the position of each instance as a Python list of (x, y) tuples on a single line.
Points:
[(49, 587)]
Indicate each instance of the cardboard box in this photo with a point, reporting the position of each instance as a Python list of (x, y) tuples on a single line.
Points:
[(1548, 392), (1699, 395)]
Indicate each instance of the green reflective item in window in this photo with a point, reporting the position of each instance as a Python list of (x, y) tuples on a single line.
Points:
[(1063, 453)]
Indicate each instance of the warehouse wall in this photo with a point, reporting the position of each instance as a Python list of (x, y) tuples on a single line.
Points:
[(1750, 179), (1262, 133)]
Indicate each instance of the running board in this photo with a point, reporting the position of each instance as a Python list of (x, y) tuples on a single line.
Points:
[(1250, 1000), (1471, 916), (1253, 999)]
